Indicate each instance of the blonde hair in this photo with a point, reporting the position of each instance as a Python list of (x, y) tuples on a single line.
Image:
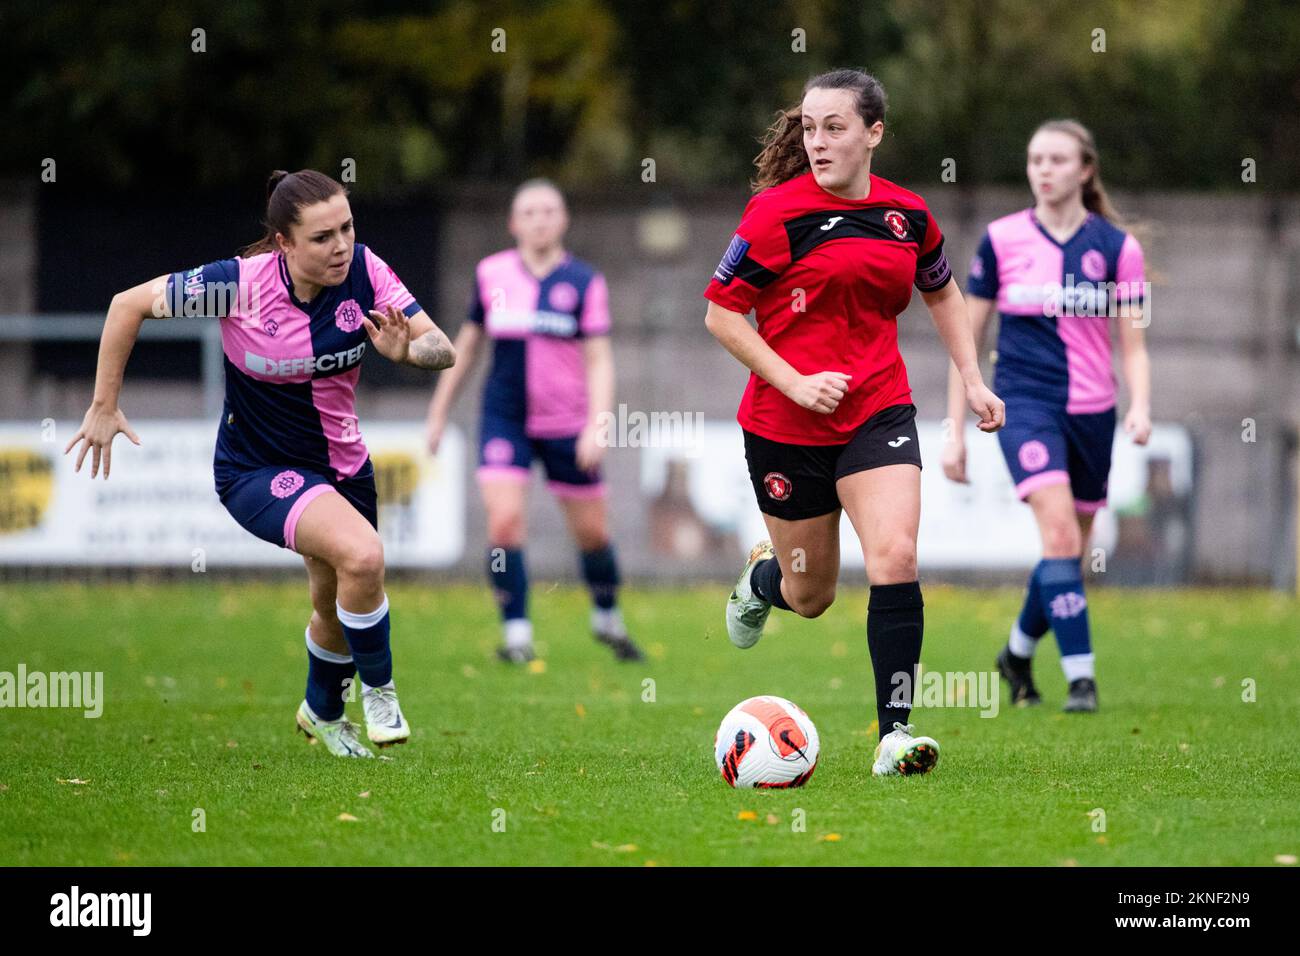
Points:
[(1095, 198)]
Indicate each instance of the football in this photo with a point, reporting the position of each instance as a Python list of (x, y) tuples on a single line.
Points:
[(766, 742)]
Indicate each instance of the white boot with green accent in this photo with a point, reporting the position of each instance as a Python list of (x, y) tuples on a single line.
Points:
[(901, 753), (746, 611)]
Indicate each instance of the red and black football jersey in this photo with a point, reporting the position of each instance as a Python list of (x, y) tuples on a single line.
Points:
[(828, 278)]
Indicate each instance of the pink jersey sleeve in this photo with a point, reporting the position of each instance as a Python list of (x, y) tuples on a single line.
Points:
[(595, 307), (388, 288), (1130, 272)]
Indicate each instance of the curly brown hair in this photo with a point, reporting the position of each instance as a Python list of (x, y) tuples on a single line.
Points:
[(783, 155)]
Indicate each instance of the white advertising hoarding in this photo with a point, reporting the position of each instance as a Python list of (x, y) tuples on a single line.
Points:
[(159, 507), (982, 525)]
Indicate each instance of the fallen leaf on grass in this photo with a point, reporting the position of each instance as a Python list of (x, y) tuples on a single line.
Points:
[(1286, 859), (580, 710), (363, 794), (75, 781), (829, 838), (746, 815), (346, 818), (537, 666)]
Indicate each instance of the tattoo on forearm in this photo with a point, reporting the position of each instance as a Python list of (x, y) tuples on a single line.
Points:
[(432, 351)]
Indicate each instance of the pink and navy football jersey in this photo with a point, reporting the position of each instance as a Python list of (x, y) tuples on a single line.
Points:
[(538, 376), (291, 367), (1053, 301)]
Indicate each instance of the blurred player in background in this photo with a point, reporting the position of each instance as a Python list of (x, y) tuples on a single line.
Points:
[(552, 375), (290, 464), (1055, 272), (827, 254)]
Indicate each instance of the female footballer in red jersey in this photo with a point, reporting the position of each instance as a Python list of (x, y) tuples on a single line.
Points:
[(827, 254), (290, 465), (1057, 273)]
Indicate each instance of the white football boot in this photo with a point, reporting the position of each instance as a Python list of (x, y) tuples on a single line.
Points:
[(339, 736), (385, 724), (900, 753), (746, 611)]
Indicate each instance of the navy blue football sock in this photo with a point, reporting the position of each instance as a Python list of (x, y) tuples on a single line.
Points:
[(1060, 590), (600, 571), (765, 580), (1033, 621), (367, 635), (326, 674), (509, 579), (895, 623)]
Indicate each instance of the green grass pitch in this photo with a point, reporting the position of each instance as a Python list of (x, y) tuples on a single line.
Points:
[(202, 679)]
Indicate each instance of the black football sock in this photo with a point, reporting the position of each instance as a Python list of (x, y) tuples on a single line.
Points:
[(895, 621), (765, 579)]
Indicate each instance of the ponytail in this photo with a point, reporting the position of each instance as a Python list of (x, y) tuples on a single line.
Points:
[(286, 194)]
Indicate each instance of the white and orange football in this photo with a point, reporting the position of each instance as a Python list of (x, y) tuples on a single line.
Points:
[(766, 742)]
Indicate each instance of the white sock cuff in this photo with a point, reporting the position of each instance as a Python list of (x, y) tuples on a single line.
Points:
[(362, 621), (519, 632), (315, 650), (1020, 643), (1078, 665)]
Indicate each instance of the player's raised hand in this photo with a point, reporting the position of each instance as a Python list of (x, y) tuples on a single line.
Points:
[(820, 392), (991, 410), (98, 429), (390, 332), (1137, 425)]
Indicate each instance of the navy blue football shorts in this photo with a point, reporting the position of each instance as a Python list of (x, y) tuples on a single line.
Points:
[(1046, 445), (269, 501), (506, 451)]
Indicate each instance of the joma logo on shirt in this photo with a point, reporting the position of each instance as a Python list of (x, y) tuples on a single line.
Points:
[(304, 365)]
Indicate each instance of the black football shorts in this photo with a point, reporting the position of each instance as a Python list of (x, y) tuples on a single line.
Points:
[(793, 482)]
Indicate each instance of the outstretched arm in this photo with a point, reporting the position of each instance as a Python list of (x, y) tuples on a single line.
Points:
[(103, 420)]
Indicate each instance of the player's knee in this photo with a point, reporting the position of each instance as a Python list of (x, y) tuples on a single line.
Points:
[(363, 560), (892, 562), (506, 530), (812, 602), (1062, 538)]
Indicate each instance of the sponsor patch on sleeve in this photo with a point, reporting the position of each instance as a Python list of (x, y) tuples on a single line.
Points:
[(726, 270)]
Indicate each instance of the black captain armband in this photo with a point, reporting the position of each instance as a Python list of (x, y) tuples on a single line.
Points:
[(932, 271)]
